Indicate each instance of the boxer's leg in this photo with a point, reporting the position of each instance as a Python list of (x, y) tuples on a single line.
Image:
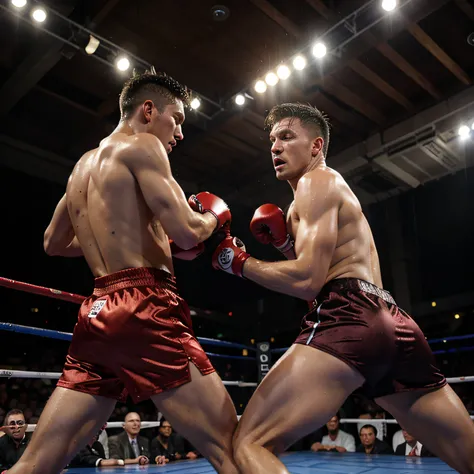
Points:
[(203, 413), (301, 392), (439, 420), (67, 424)]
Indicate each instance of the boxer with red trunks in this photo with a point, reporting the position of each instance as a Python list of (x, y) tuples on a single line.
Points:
[(354, 336), (134, 333)]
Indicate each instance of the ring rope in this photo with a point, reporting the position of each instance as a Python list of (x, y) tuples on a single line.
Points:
[(67, 336), (41, 290), (27, 374)]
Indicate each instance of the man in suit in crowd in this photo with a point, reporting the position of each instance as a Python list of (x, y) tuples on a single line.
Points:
[(129, 446), (411, 447)]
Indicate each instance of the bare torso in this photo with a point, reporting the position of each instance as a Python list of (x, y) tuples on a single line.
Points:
[(355, 254), (114, 226)]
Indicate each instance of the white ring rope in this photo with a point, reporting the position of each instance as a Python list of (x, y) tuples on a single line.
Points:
[(26, 374)]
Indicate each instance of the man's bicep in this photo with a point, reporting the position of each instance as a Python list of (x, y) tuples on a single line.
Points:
[(164, 197)]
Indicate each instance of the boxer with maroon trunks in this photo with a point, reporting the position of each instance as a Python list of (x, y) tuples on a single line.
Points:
[(355, 335), (134, 333)]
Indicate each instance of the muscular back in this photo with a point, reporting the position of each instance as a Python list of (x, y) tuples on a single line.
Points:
[(111, 220), (353, 251)]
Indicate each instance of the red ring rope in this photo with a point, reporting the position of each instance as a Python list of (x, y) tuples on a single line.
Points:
[(41, 290)]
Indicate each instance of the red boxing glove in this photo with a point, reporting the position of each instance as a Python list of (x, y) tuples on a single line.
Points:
[(207, 202), (268, 226), (230, 256), (190, 254)]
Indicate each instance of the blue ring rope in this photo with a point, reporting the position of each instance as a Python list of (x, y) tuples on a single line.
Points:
[(67, 336)]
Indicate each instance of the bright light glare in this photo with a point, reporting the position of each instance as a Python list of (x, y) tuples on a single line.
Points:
[(239, 99), (271, 79), (39, 15), (283, 72), (123, 63), (319, 50), (260, 86), (463, 131), (195, 103), (389, 5), (19, 3), (299, 63)]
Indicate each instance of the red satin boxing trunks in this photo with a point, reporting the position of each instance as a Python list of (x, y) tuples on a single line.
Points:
[(133, 336), (361, 324)]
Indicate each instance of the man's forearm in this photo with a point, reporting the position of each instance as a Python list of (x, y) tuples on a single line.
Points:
[(286, 277)]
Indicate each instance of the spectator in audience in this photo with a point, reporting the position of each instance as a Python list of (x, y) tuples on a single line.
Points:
[(14, 443), (411, 447), (93, 455), (163, 444), (369, 442), (336, 439), (168, 445), (129, 446)]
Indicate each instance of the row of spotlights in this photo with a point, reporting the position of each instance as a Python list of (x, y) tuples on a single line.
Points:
[(464, 130), (38, 14), (319, 50)]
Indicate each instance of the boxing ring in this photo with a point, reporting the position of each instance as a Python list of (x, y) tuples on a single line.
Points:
[(305, 462)]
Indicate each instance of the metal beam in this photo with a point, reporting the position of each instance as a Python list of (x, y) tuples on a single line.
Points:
[(45, 55), (430, 45)]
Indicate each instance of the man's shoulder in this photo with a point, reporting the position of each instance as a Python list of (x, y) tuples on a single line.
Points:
[(117, 437), (322, 177), (345, 434)]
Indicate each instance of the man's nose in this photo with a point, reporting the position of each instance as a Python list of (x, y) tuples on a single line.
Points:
[(178, 133), (276, 149)]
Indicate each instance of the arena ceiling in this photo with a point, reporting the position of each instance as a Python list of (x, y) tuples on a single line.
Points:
[(395, 93)]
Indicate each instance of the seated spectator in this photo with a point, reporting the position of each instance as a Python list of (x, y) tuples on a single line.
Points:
[(128, 445), (14, 443), (169, 445), (93, 455), (411, 447), (369, 442), (336, 440)]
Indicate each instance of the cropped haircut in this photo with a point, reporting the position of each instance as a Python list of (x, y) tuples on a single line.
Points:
[(307, 114), (150, 85)]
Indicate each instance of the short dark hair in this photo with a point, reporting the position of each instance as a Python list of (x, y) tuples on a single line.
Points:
[(308, 115), (367, 427), (141, 87), (14, 411)]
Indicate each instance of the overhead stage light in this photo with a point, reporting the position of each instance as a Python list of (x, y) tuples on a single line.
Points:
[(240, 99), (463, 131), (299, 63), (319, 50), (389, 5), (39, 14), (271, 79), (260, 86), (123, 63), (195, 103), (93, 44), (283, 72), (19, 3)]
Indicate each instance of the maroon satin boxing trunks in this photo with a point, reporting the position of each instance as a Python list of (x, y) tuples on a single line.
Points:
[(133, 335), (360, 324)]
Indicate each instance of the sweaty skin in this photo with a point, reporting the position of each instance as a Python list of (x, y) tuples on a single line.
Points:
[(121, 204), (332, 236)]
